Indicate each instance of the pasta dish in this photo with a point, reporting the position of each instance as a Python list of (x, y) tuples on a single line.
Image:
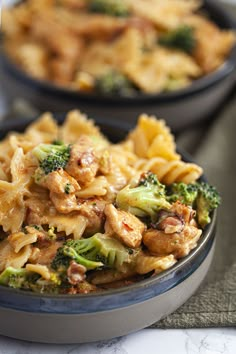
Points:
[(120, 47), (80, 214)]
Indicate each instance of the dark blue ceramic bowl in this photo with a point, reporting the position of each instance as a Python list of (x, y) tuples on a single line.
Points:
[(91, 317), (181, 108)]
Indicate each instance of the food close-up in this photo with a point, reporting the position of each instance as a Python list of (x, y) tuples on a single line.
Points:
[(115, 47), (81, 214)]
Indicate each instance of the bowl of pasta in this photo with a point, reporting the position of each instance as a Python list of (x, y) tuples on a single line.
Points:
[(101, 235), (117, 58)]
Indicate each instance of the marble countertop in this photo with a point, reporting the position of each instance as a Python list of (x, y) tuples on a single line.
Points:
[(151, 341)]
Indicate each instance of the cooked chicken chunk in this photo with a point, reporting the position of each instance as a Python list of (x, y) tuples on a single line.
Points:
[(124, 226), (83, 163), (93, 210), (184, 212), (175, 232), (62, 191), (37, 211), (178, 244)]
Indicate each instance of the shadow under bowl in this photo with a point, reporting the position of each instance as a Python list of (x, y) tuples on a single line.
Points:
[(112, 313), (181, 109)]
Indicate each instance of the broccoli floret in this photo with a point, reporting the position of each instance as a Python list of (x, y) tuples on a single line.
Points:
[(51, 157), (184, 193), (65, 254), (109, 7), (144, 200), (207, 200), (181, 38), (23, 279), (114, 82), (16, 278), (51, 286), (93, 252), (201, 196)]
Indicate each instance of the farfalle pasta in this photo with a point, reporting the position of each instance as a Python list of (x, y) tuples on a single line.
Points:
[(120, 47), (80, 214)]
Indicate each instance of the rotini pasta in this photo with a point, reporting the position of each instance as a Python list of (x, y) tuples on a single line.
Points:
[(82, 214)]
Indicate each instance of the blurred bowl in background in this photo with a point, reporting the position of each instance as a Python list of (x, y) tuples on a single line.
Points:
[(181, 109)]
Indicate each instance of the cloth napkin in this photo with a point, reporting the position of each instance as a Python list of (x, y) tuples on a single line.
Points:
[(213, 147), (214, 304)]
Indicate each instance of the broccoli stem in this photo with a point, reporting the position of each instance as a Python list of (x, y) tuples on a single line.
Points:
[(71, 253)]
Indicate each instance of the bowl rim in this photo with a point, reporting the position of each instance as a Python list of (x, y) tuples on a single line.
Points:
[(197, 86), (207, 234)]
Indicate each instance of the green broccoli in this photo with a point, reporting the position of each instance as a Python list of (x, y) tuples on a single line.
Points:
[(51, 286), (184, 193), (181, 38), (51, 157), (16, 278), (65, 254), (23, 279), (144, 200), (114, 82), (93, 252), (207, 200), (200, 195), (116, 8)]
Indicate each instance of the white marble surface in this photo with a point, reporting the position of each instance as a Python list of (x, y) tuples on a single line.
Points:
[(150, 341)]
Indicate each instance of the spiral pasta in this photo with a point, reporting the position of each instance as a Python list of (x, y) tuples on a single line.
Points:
[(170, 171), (83, 214)]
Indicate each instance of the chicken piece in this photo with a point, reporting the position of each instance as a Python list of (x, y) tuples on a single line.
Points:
[(83, 163), (184, 212), (38, 210), (124, 226), (91, 26), (178, 244), (62, 191), (175, 232), (93, 210), (76, 273), (48, 29)]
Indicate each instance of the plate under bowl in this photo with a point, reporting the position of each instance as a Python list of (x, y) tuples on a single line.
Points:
[(85, 318)]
